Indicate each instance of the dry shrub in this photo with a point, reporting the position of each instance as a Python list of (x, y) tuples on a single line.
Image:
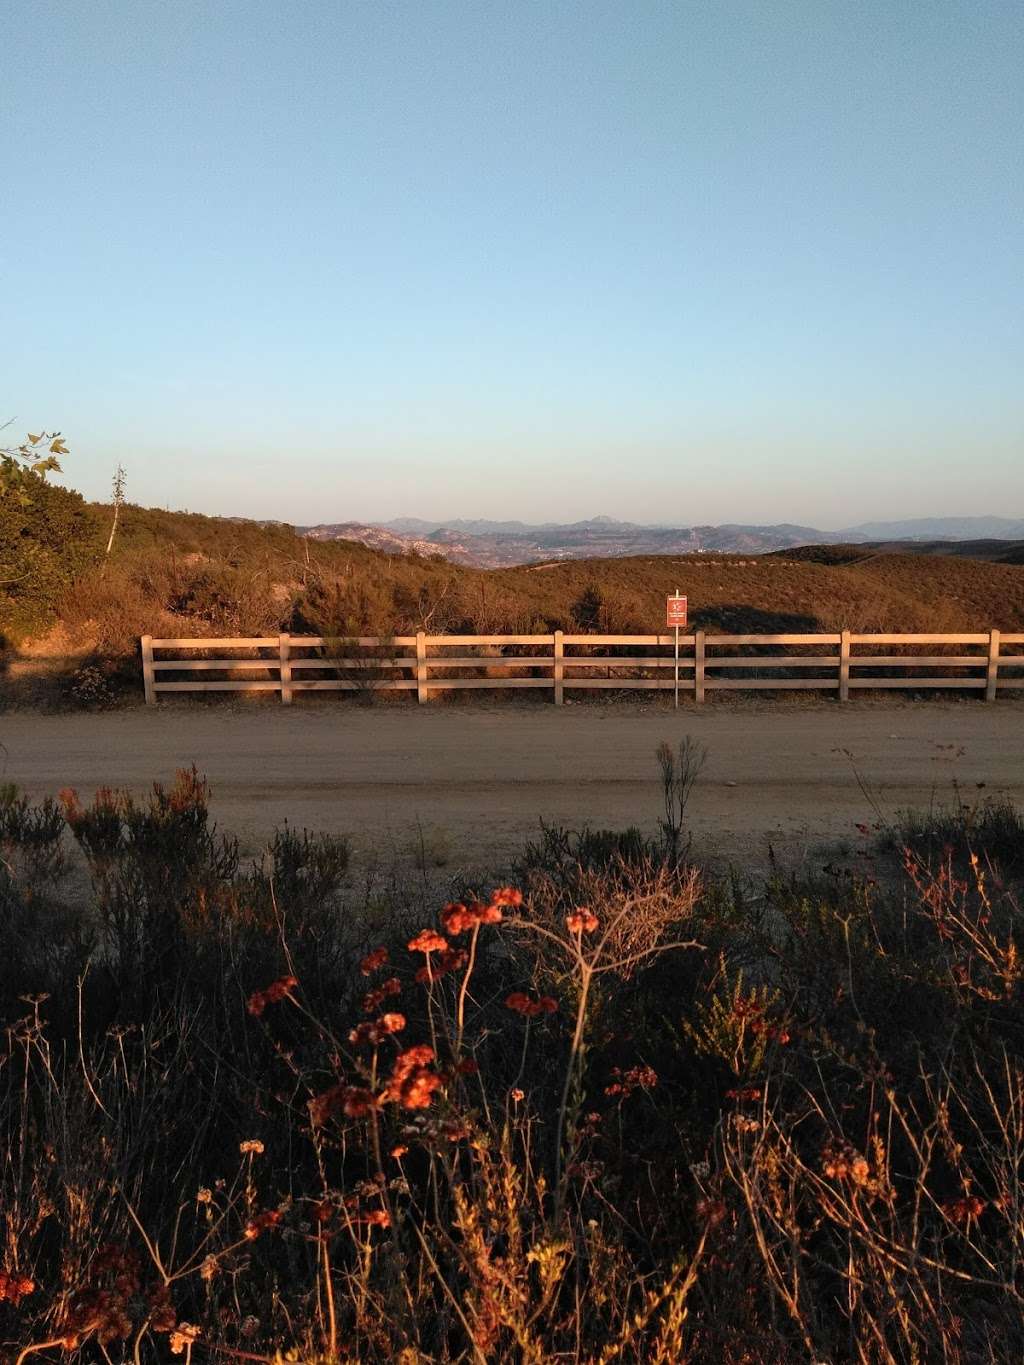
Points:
[(540, 1125)]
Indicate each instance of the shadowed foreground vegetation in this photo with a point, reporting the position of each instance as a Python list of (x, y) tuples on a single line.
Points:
[(608, 1109)]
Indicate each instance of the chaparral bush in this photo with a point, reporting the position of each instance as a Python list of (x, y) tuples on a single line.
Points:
[(616, 1111)]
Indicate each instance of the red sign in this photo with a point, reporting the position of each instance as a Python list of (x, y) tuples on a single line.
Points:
[(675, 610)]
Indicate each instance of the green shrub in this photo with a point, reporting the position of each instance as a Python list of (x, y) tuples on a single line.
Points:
[(47, 541)]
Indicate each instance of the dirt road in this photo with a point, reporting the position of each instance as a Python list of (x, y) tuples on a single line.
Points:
[(479, 779)]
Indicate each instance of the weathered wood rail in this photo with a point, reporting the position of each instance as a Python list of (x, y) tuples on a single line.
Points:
[(987, 662)]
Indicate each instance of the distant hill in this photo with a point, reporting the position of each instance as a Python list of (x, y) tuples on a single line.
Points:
[(995, 551), (938, 528), (505, 544)]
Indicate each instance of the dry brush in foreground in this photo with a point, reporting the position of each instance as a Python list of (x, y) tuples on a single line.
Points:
[(613, 1112)]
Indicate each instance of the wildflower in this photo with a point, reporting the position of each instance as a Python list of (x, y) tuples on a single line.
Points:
[(252, 1145), (752, 1092), (270, 995), (451, 960), (413, 1081), (209, 1268), (372, 962), (183, 1337), (522, 1004), (964, 1210), (373, 1000), (204, 1196), (261, 1223), (517, 1095), (428, 941), (375, 1218), (636, 1078), (581, 921), (14, 1288), (844, 1163), (352, 1100), (457, 918), (376, 1031), (507, 896), (398, 1152)]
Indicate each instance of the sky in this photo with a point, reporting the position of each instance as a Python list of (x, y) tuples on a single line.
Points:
[(538, 259)]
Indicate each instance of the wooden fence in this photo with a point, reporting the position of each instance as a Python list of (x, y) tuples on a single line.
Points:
[(841, 662)]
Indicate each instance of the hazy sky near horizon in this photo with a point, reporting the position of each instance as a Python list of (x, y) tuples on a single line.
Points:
[(674, 262)]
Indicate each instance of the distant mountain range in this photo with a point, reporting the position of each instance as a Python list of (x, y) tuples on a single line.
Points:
[(502, 544), (940, 528)]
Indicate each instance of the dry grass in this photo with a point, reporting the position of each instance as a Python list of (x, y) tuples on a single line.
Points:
[(617, 1112)]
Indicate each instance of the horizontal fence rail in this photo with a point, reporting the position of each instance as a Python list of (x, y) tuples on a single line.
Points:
[(987, 662)]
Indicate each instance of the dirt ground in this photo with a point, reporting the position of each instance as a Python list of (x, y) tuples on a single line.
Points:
[(473, 782)]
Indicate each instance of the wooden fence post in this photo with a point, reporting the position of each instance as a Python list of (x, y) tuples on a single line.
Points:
[(148, 677), (559, 668), (698, 666), (992, 675), (421, 666), (286, 669), (844, 666)]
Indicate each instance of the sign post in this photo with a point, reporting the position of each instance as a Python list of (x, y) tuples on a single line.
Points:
[(675, 615)]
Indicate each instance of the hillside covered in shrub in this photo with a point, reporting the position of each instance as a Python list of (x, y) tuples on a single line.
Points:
[(178, 574)]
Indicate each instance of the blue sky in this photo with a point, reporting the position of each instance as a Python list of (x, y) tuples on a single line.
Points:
[(664, 261)]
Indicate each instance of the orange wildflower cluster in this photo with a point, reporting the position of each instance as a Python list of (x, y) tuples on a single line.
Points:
[(529, 1008), (374, 1218), (457, 918), (845, 1163), (751, 1092), (268, 1219), (636, 1078), (270, 995), (451, 960), (14, 1288), (353, 1101), (427, 941), (413, 1080), (964, 1210), (411, 1084), (183, 1337), (373, 1000), (372, 962), (376, 1030), (581, 921)]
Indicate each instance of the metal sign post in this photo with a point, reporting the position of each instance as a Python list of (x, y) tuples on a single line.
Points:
[(675, 615)]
